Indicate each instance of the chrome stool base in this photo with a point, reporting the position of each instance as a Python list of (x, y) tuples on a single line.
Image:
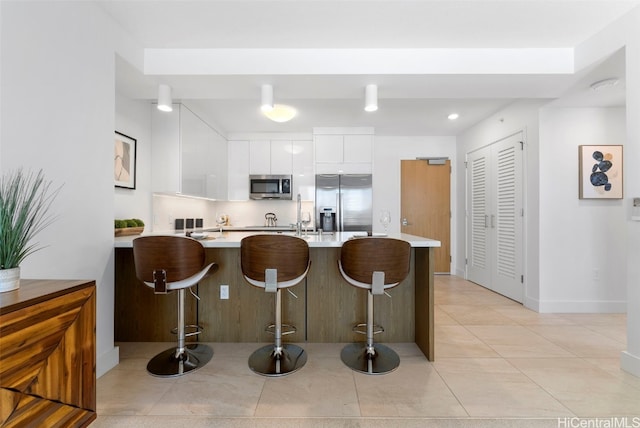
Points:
[(264, 361), (355, 357), (165, 364)]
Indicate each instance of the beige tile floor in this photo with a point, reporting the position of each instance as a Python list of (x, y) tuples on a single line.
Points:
[(497, 364)]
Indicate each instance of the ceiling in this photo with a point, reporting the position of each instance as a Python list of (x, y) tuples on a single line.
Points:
[(409, 104)]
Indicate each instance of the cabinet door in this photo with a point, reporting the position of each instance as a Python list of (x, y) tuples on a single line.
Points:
[(260, 157), (196, 140), (165, 150), (281, 157), (217, 167), (358, 148), (303, 176), (238, 155), (328, 148)]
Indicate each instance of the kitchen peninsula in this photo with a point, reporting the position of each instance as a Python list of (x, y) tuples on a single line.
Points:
[(323, 308)]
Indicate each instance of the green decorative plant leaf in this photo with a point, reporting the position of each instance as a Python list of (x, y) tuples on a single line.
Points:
[(25, 201)]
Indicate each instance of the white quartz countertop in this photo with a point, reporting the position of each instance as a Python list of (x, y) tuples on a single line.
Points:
[(231, 239)]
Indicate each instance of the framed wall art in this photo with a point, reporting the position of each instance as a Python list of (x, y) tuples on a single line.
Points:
[(600, 172), (124, 172)]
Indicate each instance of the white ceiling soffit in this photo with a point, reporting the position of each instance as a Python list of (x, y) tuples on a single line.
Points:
[(428, 58), (311, 24)]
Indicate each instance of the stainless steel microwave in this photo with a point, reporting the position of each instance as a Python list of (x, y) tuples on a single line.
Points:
[(270, 187)]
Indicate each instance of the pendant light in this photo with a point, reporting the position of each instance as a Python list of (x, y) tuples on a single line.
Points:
[(267, 98), (164, 98), (371, 98)]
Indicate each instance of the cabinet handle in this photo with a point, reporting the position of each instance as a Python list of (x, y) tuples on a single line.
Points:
[(493, 221)]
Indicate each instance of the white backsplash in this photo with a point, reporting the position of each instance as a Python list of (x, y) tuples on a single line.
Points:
[(166, 208)]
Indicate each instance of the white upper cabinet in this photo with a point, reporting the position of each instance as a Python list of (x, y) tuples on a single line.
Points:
[(188, 156), (197, 153), (304, 181), (329, 148), (343, 153), (260, 157), (217, 176), (165, 150), (358, 148), (270, 157), (238, 157), (281, 157)]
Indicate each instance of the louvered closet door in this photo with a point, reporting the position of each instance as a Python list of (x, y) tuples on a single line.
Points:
[(495, 223), (478, 197)]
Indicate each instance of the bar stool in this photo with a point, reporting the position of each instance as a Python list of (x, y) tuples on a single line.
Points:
[(375, 264), (174, 263), (274, 262)]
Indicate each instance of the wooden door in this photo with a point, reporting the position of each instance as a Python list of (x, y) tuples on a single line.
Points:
[(425, 208)]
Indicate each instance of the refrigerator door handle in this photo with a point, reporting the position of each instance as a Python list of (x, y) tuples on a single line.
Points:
[(339, 214)]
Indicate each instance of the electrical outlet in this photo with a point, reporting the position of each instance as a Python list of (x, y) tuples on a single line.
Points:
[(224, 292)]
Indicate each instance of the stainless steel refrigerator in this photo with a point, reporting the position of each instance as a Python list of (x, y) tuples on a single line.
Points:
[(343, 202)]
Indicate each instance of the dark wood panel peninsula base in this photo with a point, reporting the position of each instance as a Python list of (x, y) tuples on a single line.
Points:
[(48, 354), (324, 308)]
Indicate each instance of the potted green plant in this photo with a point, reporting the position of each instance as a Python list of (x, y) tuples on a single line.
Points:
[(131, 226), (25, 202)]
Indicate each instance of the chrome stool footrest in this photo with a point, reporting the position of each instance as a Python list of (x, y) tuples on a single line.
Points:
[(286, 329), (358, 328), (190, 330)]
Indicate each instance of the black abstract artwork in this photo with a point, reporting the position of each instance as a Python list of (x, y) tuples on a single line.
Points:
[(599, 171), (600, 175)]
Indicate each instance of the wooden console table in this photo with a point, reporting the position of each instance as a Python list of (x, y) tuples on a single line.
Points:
[(48, 354)]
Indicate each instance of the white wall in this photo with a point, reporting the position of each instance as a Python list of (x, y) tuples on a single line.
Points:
[(626, 33), (630, 359), (133, 118), (388, 152), (520, 116), (582, 242), (58, 114)]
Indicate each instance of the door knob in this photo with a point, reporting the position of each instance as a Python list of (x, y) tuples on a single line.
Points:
[(405, 222)]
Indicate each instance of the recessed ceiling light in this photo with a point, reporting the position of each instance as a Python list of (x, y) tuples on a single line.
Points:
[(281, 113), (453, 116), (612, 81)]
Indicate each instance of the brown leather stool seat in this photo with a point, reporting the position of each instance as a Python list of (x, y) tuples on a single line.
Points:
[(174, 263), (375, 264), (275, 262)]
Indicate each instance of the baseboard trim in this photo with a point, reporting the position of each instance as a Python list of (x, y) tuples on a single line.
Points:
[(584, 306), (630, 363), (533, 304), (107, 361)]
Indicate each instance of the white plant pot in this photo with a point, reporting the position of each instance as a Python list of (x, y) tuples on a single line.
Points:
[(9, 279)]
